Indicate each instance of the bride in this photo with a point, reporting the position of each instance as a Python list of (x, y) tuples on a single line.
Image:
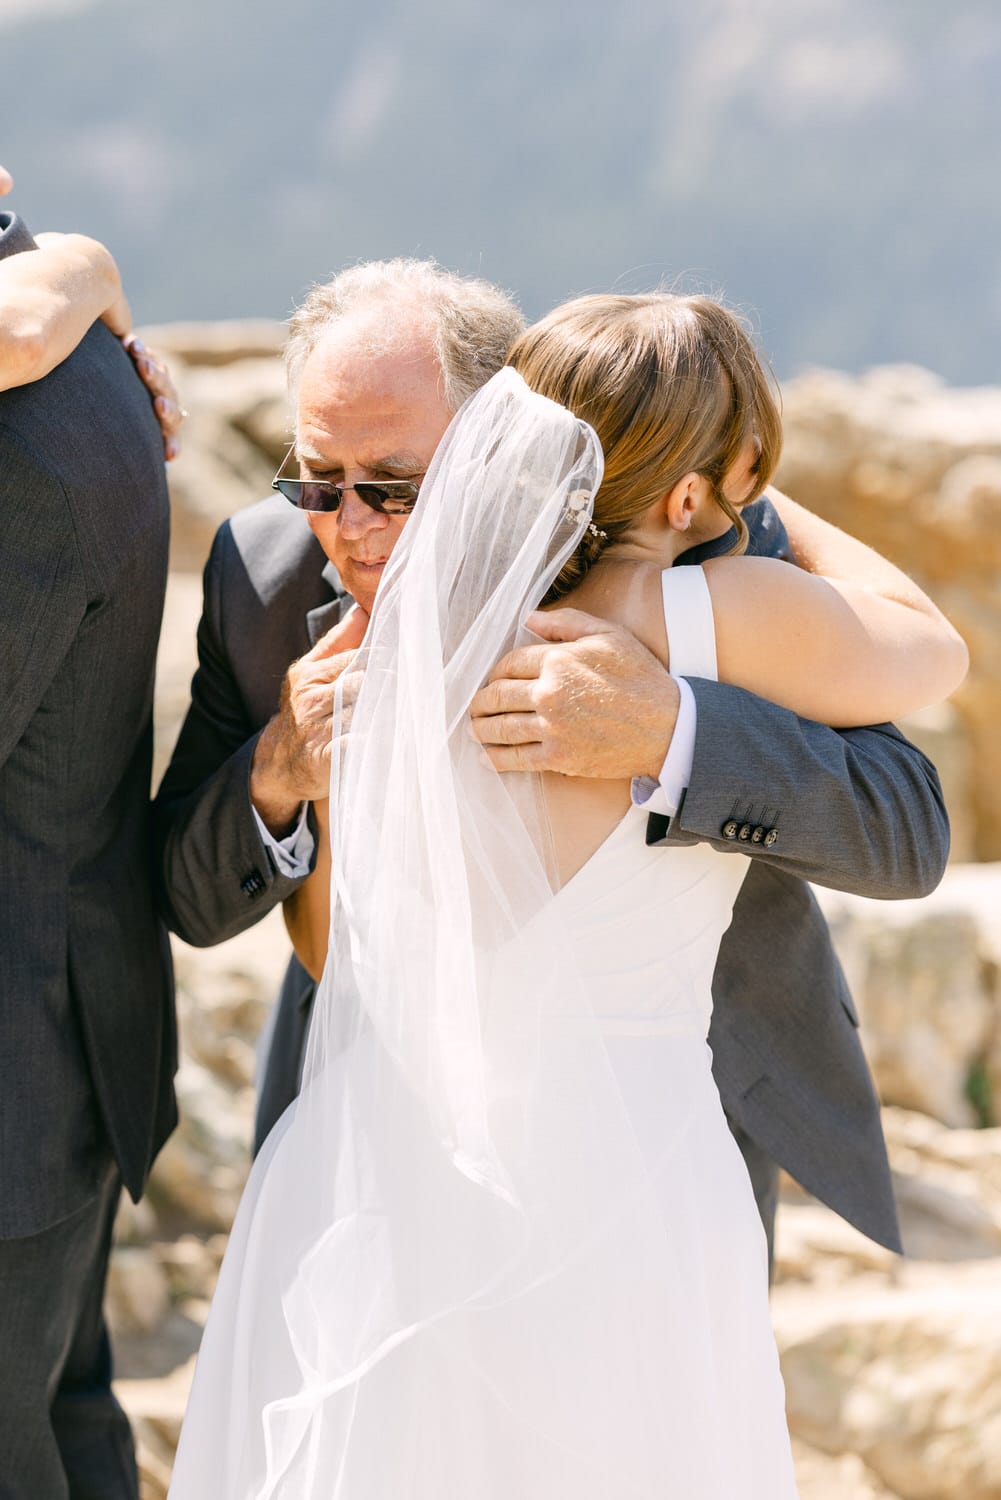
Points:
[(503, 1247)]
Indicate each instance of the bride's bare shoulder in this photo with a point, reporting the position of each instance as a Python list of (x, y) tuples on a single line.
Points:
[(628, 591)]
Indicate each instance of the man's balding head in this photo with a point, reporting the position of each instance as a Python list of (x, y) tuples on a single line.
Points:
[(470, 324)]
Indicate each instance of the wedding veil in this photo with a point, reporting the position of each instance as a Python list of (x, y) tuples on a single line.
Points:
[(417, 1253)]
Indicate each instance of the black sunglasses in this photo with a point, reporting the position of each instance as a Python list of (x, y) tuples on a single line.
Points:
[(396, 497)]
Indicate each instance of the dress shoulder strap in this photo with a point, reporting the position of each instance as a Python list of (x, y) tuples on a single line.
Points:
[(691, 628)]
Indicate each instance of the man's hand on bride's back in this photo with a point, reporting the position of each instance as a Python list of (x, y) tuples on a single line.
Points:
[(291, 763), (589, 700)]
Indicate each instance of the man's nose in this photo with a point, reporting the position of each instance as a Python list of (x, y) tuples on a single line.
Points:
[(356, 519)]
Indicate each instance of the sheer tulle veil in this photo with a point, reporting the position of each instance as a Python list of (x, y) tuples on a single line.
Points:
[(454, 1215)]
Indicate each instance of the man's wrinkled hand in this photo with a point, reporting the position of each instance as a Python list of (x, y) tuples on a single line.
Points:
[(590, 700), (291, 762)]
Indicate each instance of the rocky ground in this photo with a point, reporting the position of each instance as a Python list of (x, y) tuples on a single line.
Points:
[(892, 1368)]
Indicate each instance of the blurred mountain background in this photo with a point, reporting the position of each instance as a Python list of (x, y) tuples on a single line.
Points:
[(831, 166)]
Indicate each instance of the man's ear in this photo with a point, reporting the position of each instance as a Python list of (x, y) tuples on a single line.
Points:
[(681, 503)]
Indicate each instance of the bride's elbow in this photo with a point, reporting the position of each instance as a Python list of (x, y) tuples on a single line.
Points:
[(934, 657), (929, 668), (954, 660), (933, 670)]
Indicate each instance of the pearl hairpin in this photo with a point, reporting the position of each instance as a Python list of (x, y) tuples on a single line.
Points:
[(578, 503)]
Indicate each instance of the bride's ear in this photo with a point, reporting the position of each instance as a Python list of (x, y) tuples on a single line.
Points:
[(680, 504)]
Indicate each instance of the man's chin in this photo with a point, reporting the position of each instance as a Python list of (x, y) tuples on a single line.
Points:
[(362, 580)]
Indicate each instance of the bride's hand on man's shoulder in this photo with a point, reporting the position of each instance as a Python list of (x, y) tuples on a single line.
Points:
[(154, 374)]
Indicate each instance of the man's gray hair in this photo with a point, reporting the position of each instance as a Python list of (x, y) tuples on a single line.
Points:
[(471, 324)]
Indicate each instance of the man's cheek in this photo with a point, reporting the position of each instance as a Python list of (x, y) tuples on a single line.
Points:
[(324, 528)]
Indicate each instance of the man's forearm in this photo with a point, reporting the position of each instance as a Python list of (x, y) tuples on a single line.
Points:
[(216, 876), (270, 792), (859, 810)]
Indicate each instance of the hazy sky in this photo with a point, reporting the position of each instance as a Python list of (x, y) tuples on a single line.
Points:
[(831, 166), (17, 10)]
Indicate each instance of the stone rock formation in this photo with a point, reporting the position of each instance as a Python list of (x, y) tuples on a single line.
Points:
[(914, 468), (926, 977)]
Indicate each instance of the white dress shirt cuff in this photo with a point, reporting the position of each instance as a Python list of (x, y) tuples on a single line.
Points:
[(664, 796), (293, 853)]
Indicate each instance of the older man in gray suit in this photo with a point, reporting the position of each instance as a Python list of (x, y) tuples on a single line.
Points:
[(87, 1044), (382, 357)]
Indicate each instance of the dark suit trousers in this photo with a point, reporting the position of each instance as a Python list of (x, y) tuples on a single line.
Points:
[(63, 1436), (282, 1077)]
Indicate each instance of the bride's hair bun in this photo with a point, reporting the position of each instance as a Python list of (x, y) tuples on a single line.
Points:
[(671, 384)]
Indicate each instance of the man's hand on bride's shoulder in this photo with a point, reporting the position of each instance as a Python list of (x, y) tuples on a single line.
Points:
[(588, 700), (291, 763)]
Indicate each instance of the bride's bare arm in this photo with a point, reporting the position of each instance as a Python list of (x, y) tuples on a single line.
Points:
[(48, 300), (307, 910), (846, 638)]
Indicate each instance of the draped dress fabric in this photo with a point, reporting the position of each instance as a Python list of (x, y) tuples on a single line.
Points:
[(533, 1269), (646, 925)]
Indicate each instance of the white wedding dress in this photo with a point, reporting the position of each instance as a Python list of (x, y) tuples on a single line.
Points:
[(504, 1247)]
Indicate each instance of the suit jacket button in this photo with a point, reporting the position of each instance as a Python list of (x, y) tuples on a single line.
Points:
[(757, 834), (729, 829), (252, 885), (746, 829), (771, 837)]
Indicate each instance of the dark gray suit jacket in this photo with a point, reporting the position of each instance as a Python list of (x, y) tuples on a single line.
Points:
[(860, 811), (87, 1040)]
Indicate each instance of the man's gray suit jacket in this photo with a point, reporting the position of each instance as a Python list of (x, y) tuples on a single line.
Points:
[(859, 810), (87, 1041)]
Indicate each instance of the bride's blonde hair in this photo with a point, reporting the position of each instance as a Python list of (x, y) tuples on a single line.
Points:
[(672, 385)]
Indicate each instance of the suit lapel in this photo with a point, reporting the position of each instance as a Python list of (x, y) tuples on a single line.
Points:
[(320, 619), (14, 236)]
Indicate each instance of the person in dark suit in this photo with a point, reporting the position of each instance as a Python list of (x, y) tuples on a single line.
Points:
[(87, 1024), (859, 810)]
